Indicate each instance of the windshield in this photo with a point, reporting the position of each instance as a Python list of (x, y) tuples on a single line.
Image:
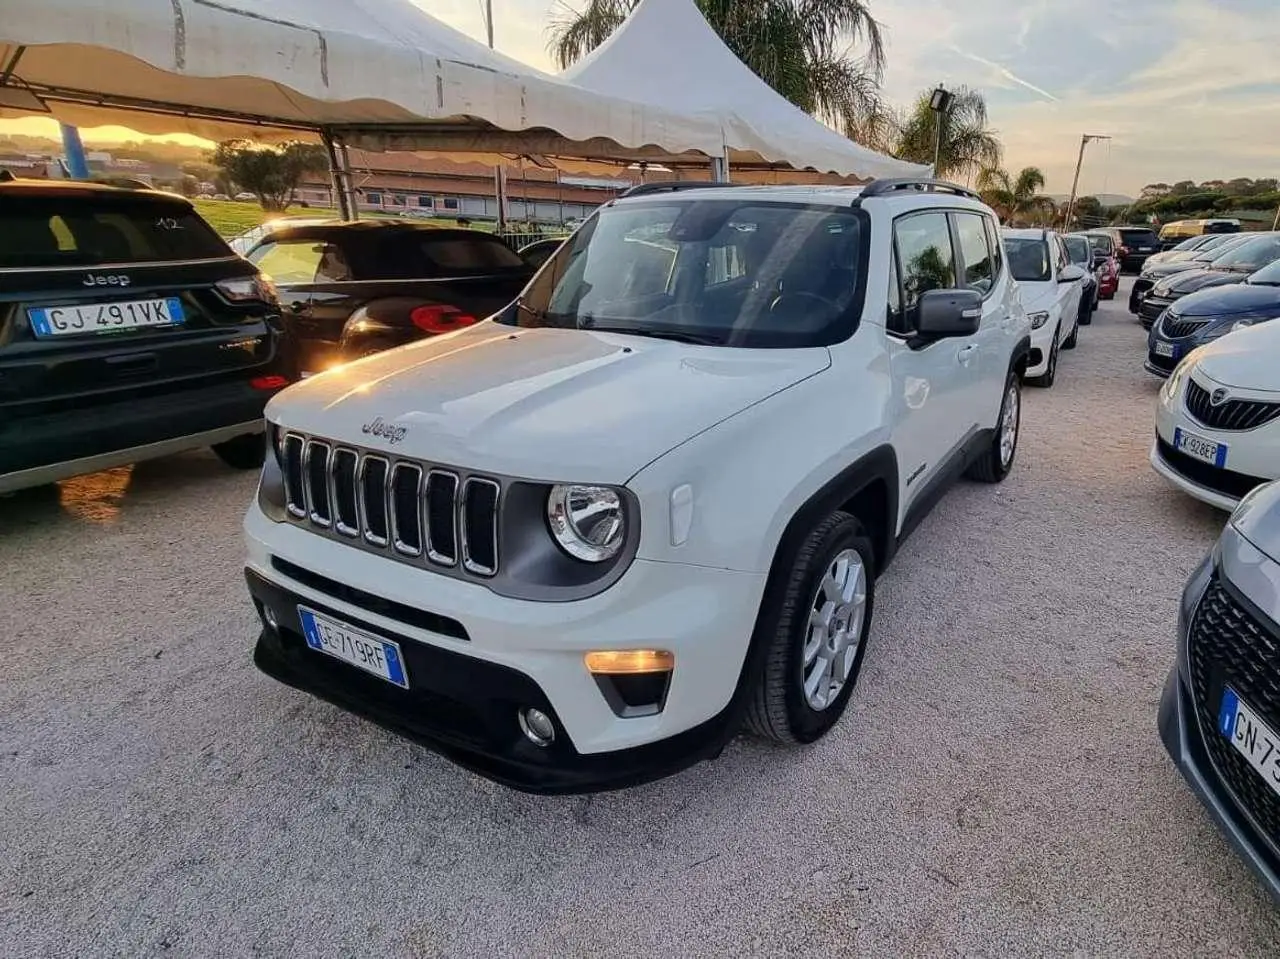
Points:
[(1269, 275), (1028, 258), (1209, 253), (1253, 254), (1101, 243), (1079, 250), (75, 231), (721, 272), (1191, 243)]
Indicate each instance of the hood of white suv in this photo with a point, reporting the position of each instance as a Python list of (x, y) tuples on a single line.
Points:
[(546, 404), (1245, 359), (1037, 296)]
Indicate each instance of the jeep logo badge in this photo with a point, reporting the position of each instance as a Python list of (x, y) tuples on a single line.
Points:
[(1217, 397), (392, 434), (106, 279)]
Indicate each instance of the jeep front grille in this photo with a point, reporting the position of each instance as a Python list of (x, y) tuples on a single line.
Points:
[(1230, 415), (415, 512)]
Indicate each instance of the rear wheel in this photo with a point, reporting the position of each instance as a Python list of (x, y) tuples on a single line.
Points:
[(817, 647), (242, 452), (997, 460)]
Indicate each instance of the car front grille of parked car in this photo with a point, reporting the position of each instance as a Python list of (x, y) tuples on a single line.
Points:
[(1230, 646), (1228, 415), (1152, 306), (1175, 327), (415, 512)]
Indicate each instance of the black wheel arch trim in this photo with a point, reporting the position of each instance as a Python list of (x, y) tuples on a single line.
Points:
[(1021, 351)]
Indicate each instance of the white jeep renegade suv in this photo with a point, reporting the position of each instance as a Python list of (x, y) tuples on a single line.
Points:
[(577, 545)]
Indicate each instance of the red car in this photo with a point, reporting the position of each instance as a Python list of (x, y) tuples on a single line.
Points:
[(1105, 265)]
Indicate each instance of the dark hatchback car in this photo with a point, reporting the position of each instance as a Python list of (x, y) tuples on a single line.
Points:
[(1194, 260), (1081, 252), (1220, 713), (1133, 244), (352, 289), (128, 330), (1204, 316), (1231, 267)]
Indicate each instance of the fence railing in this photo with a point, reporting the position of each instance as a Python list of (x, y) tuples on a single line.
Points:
[(519, 239)]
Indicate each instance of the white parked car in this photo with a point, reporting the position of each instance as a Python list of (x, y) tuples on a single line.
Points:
[(577, 545), (1052, 292), (1218, 417)]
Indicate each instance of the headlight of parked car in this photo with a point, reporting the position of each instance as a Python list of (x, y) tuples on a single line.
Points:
[(588, 522), (1171, 386), (1038, 319)]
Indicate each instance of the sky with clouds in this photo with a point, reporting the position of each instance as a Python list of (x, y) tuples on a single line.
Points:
[(1187, 89)]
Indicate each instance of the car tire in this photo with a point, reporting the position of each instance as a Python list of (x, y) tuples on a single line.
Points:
[(1070, 342), (1045, 379), (242, 452), (997, 460), (831, 576)]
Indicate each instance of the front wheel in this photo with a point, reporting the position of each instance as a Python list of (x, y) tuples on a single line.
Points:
[(1070, 342), (815, 652), (997, 460), (242, 452), (1045, 379)]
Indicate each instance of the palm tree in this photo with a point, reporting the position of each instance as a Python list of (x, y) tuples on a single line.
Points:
[(1014, 197), (968, 144), (798, 47)]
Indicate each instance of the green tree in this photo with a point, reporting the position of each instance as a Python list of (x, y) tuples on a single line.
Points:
[(1012, 197), (272, 174), (968, 144), (801, 48)]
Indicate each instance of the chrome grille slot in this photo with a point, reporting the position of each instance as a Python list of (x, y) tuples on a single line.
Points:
[(372, 477), (479, 513), (346, 517), (316, 462), (442, 517), (291, 463), (406, 509)]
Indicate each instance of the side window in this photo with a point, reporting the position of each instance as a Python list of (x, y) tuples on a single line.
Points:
[(301, 261), (974, 254), (995, 245), (927, 261), (895, 320)]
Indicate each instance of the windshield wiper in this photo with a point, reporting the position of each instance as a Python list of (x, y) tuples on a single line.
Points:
[(658, 333)]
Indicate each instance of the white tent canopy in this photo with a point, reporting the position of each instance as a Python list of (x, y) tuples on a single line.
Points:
[(379, 71), (668, 54)]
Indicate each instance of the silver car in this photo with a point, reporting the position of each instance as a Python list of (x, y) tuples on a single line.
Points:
[(1220, 713)]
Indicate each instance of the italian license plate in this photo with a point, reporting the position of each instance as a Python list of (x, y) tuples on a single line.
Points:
[(1202, 449), (354, 646), (1251, 737), (50, 321), (1162, 349)]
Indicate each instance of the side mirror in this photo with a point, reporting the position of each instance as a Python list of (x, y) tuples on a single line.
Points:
[(941, 313), (1070, 273)]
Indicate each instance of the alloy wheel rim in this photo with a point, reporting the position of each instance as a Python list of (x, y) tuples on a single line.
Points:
[(834, 635), (1009, 427)]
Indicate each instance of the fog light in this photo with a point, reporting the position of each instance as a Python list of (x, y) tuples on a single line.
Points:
[(615, 662), (536, 726)]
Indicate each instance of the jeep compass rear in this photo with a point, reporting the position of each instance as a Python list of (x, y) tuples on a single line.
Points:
[(128, 330)]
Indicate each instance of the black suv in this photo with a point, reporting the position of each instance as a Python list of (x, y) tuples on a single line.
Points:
[(1133, 245), (128, 330)]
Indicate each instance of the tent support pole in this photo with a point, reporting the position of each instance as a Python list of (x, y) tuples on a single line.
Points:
[(352, 206), (720, 169), (339, 175)]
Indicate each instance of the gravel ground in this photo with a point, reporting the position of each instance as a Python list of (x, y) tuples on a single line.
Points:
[(997, 787)]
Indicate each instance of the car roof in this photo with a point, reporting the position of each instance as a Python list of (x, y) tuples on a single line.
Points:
[(904, 192), (1035, 233), (336, 229), (86, 188)]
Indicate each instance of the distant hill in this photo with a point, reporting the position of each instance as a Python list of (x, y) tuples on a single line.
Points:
[(1106, 199)]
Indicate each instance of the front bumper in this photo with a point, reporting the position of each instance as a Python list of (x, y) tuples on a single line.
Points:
[(499, 654), (1183, 740), (1136, 292)]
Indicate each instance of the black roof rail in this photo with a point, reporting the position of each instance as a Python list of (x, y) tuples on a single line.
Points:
[(893, 185), (664, 186)]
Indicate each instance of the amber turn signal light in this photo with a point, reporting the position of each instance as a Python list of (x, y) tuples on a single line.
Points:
[(621, 662)]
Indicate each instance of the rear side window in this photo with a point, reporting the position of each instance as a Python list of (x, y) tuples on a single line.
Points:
[(302, 261), (995, 244), (1138, 237), (83, 230), (979, 274), (470, 255), (1079, 250), (925, 258)]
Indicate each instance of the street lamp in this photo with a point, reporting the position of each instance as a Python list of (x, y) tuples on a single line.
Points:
[(939, 103)]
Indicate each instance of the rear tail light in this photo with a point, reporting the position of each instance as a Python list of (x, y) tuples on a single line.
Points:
[(247, 289), (269, 382), (440, 319)]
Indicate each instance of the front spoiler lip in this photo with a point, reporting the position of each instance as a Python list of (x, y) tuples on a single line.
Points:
[(578, 773)]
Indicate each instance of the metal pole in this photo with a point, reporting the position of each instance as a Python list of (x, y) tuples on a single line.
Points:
[(74, 149), (1275, 224), (352, 206), (335, 175), (1075, 183), (488, 21), (937, 140)]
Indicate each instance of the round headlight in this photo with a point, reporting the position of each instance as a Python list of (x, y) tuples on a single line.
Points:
[(587, 521)]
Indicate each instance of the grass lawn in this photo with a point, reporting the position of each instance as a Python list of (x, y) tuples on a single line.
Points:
[(232, 217)]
